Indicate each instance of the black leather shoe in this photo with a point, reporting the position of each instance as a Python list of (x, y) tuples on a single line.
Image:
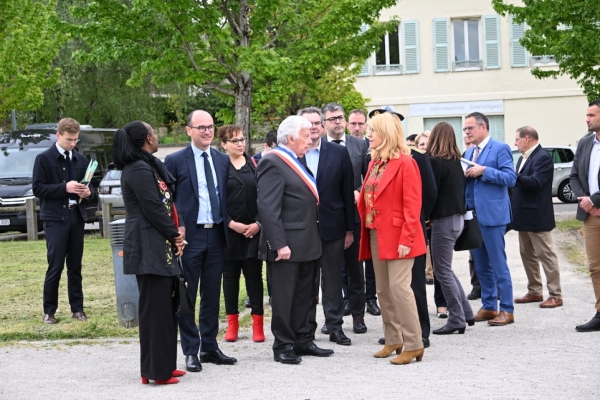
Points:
[(313, 350), (429, 281), (192, 364), (381, 341), (447, 330), (247, 302), (373, 308), (49, 319), (347, 308), (80, 316), (426, 343), (287, 357), (592, 326), (339, 338), (474, 295), (216, 357), (359, 326), (325, 330)]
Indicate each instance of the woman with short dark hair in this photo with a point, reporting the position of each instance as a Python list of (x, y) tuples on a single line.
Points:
[(151, 236)]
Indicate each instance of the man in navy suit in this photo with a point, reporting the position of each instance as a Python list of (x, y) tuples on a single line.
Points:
[(201, 175), (332, 168), (533, 218), (489, 176)]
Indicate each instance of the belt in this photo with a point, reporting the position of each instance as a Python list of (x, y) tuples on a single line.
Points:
[(207, 226), (72, 206)]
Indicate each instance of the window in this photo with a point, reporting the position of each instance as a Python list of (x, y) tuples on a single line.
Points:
[(466, 44), (398, 52), (387, 57), (456, 123), (497, 127)]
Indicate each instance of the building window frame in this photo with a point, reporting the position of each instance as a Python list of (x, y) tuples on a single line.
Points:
[(468, 64)]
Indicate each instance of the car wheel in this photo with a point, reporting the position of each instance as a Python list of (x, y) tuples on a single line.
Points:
[(565, 194)]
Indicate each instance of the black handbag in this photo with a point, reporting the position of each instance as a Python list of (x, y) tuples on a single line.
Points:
[(183, 303), (470, 238)]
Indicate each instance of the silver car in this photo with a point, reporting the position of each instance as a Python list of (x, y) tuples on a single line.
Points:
[(109, 191), (562, 156)]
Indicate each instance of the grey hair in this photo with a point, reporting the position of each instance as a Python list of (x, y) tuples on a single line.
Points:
[(311, 110), (291, 126), (331, 107)]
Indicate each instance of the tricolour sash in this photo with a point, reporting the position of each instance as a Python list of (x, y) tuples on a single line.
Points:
[(298, 168)]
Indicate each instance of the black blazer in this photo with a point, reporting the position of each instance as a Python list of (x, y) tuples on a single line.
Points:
[(288, 212), (428, 187), (579, 174), (358, 149), (149, 227), (531, 199), (450, 182), (50, 177), (182, 166), (241, 207), (335, 183)]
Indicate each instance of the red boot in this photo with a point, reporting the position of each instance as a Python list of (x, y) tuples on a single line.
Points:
[(258, 334), (233, 325)]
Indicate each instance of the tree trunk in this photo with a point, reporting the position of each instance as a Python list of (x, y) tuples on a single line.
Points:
[(243, 102)]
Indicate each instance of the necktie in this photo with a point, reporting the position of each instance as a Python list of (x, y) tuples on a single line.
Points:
[(476, 153), (303, 162), (212, 192), (71, 171), (338, 141)]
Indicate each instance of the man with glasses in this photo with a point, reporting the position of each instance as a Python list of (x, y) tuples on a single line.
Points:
[(335, 126), (63, 201), (489, 175), (201, 173)]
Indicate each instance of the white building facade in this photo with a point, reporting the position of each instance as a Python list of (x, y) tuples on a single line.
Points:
[(450, 58)]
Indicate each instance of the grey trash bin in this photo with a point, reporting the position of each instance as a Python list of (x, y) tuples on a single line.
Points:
[(125, 285)]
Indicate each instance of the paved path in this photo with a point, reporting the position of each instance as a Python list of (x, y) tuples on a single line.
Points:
[(539, 356)]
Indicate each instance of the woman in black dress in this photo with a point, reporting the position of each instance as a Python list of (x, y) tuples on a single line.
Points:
[(151, 233), (244, 232)]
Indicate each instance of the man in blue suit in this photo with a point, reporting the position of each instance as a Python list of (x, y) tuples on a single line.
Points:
[(489, 176), (201, 174)]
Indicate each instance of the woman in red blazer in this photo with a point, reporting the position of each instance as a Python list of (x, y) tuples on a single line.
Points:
[(390, 208)]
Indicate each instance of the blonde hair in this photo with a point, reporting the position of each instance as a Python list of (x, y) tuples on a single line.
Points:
[(420, 135), (390, 130)]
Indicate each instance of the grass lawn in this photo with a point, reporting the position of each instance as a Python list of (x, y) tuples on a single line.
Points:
[(22, 273)]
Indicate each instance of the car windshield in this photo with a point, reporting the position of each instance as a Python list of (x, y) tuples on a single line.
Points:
[(18, 162), (113, 175)]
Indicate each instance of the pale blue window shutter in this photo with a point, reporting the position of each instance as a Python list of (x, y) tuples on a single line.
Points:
[(441, 53), (491, 37), (366, 68), (518, 54), (410, 31)]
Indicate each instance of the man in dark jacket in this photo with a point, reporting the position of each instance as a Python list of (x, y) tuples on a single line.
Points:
[(56, 176), (533, 218)]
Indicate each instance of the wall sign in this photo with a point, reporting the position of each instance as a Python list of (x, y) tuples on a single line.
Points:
[(456, 108)]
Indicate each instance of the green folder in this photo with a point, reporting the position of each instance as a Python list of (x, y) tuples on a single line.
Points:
[(89, 173)]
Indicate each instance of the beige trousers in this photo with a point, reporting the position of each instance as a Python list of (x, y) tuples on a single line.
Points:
[(396, 299), (591, 230), (536, 248)]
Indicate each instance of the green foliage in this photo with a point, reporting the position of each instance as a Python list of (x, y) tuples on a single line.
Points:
[(567, 29), (28, 43)]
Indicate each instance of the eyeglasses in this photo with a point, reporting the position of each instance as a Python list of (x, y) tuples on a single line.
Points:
[(204, 128), (355, 124), (72, 140), (339, 118), (236, 141), (470, 128)]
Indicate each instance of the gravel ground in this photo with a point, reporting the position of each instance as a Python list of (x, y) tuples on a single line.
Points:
[(539, 356)]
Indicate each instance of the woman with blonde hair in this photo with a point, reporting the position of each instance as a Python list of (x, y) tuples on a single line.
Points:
[(390, 212), (447, 224), (422, 139)]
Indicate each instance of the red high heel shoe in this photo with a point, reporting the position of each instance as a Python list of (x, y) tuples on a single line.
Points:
[(177, 373), (169, 381)]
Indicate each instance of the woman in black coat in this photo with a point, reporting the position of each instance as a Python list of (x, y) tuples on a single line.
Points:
[(244, 232), (151, 233)]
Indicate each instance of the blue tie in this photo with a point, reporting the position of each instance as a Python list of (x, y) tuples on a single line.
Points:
[(212, 192)]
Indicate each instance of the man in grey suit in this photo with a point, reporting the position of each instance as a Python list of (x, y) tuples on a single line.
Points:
[(288, 203), (335, 125), (585, 183)]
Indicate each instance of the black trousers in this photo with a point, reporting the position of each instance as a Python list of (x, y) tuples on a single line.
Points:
[(354, 278), (474, 280), (418, 285), (330, 267), (291, 291), (252, 269), (370, 285), (64, 240), (158, 326)]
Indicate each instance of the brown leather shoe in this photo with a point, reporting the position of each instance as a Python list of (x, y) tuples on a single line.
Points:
[(485, 315), (49, 319), (529, 298), (504, 318), (552, 302), (80, 315)]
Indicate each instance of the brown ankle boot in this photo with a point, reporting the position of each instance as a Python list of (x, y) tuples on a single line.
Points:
[(388, 350), (407, 356), (258, 334), (233, 325)]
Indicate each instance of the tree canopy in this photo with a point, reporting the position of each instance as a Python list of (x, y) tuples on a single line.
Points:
[(28, 43), (567, 29), (267, 55)]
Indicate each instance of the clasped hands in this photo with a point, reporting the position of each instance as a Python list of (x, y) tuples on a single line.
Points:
[(588, 206), (79, 189), (247, 230), (179, 241)]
